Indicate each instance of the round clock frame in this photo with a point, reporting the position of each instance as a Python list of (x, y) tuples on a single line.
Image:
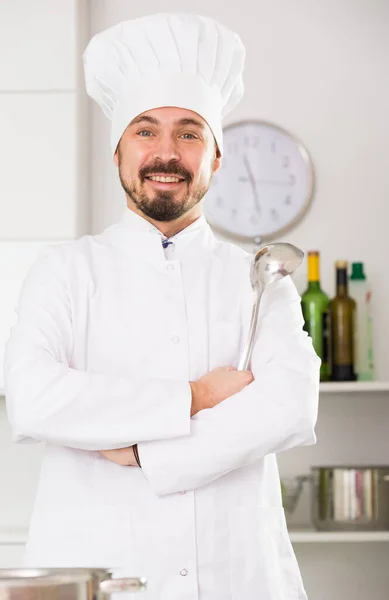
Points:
[(303, 202)]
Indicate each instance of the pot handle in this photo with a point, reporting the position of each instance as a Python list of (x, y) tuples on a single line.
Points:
[(127, 584)]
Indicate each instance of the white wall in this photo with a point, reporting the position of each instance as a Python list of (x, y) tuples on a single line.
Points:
[(319, 69)]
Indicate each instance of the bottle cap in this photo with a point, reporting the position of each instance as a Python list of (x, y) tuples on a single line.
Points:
[(357, 271), (341, 264)]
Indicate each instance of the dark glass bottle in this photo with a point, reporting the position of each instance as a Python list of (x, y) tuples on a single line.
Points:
[(314, 303), (342, 310)]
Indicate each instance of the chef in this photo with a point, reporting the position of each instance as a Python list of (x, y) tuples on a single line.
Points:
[(160, 456)]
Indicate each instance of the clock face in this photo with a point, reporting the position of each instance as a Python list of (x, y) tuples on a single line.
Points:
[(264, 185)]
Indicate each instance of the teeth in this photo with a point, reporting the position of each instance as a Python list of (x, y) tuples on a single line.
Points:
[(165, 179)]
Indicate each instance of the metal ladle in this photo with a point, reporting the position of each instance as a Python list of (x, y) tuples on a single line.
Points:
[(270, 263)]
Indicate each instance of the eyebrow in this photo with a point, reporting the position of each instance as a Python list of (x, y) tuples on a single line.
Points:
[(154, 121), (191, 122)]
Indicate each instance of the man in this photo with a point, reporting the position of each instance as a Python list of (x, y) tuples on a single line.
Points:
[(160, 455)]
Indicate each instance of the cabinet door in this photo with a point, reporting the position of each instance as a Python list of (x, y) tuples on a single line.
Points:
[(37, 45), (11, 555), (16, 259), (38, 157)]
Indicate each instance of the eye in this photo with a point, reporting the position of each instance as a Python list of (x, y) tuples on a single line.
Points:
[(145, 133), (191, 136)]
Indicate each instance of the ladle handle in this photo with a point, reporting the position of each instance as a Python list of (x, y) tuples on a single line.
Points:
[(248, 349)]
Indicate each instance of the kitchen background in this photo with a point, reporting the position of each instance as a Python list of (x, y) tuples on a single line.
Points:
[(318, 69)]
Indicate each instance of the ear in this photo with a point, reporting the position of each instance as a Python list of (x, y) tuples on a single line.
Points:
[(217, 163), (116, 157)]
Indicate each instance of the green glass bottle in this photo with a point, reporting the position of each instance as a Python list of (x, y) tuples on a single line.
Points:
[(314, 303), (342, 317)]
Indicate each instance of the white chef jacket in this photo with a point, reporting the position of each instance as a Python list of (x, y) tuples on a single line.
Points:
[(110, 330)]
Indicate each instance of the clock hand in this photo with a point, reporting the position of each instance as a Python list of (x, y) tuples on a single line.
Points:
[(253, 184)]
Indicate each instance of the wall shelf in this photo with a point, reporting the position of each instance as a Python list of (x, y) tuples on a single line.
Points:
[(351, 387), (312, 536)]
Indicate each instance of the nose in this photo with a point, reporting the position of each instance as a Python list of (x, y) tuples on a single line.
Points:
[(166, 150)]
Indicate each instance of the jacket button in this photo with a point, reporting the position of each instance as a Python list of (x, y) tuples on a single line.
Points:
[(183, 572), (175, 339), (170, 267)]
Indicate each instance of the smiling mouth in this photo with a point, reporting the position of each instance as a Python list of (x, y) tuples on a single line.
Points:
[(165, 178)]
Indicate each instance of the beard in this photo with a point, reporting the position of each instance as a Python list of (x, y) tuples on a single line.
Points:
[(163, 206)]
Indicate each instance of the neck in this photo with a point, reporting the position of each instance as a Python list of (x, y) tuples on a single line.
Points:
[(341, 290), (341, 282), (170, 228)]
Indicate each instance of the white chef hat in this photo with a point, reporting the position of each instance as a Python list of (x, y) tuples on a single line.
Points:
[(181, 60)]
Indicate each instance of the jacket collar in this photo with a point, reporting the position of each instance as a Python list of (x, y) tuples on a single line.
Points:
[(137, 237)]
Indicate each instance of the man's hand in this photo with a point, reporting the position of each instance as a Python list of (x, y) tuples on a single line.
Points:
[(123, 456), (216, 386), (207, 392)]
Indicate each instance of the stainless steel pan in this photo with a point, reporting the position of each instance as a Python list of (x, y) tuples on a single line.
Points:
[(63, 584), (352, 498), (343, 498)]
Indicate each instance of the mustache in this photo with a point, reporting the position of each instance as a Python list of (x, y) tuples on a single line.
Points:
[(171, 168)]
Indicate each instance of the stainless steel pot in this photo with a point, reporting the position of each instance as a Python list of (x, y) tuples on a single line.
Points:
[(63, 584), (344, 498), (351, 498)]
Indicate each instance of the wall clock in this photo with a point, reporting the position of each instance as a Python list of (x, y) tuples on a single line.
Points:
[(264, 186)]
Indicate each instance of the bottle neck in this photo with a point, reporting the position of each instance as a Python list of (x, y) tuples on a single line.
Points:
[(313, 271), (341, 282)]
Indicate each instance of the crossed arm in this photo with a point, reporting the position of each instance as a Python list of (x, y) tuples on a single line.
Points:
[(49, 401)]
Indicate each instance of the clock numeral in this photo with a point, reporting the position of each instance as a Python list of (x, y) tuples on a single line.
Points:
[(273, 147), (219, 202), (252, 142), (234, 212), (274, 214), (285, 161), (243, 179), (288, 200), (253, 220), (292, 179)]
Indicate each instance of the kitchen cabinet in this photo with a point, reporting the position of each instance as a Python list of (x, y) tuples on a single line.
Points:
[(12, 543), (38, 45), (38, 154), (11, 555), (16, 259), (43, 120)]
